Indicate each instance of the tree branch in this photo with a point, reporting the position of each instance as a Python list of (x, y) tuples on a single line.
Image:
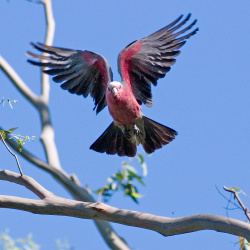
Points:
[(50, 31), (26, 181), (77, 192), (52, 204), (245, 209), (47, 134)]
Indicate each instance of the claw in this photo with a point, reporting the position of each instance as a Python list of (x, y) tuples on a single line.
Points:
[(136, 130)]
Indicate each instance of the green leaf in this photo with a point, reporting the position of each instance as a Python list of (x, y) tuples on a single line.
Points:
[(247, 244), (134, 199), (143, 164), (137, 195), (140, 158), (9, 131), (132, 173), (119, 176), (136, 177), (236, 189), (124, 163), (140, 180)]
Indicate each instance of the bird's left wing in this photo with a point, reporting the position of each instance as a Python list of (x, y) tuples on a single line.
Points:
[(145, 61), (81, 72)]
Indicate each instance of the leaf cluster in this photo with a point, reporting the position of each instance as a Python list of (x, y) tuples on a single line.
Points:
[(8, 243), (9, 101), (20, 138), (125, 181)]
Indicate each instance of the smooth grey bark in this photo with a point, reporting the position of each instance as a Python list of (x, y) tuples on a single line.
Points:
[(54, 205)]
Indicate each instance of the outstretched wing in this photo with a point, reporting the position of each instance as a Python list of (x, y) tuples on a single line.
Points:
[(145, 61), (81, 72)]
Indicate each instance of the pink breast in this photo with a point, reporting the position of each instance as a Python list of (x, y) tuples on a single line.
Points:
[(123, 108)]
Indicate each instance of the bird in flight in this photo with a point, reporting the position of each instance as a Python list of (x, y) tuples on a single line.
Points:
[(141, 63)]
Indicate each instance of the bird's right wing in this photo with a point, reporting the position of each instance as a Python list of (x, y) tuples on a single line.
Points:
[(81, 72)]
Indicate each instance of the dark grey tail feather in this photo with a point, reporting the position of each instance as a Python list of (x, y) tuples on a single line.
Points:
[(152, 136), (156, 135), (113, 141)]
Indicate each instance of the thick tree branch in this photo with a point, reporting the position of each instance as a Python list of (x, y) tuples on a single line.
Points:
[(48, 135), (51, 204)]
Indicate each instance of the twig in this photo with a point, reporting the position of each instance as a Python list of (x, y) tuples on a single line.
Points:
[(229, 200), (246, 210), (20, 170)]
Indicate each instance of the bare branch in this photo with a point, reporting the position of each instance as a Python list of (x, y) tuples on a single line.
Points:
[(246, 210), (50, 22), (26, 181), (50, 31), (47, 135), (18, 82), (51, 204)]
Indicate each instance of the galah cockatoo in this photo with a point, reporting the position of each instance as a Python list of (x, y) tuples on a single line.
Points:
[(141, 63)]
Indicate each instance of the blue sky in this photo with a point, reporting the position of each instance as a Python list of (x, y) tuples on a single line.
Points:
[(205, 97)]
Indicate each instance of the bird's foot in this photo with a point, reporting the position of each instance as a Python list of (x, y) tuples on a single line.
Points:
[(136, 130)]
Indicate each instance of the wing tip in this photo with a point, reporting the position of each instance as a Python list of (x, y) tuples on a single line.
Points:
[(32, 44), (33, 62)]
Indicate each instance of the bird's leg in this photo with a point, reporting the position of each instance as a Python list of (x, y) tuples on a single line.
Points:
[(131, 131)]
